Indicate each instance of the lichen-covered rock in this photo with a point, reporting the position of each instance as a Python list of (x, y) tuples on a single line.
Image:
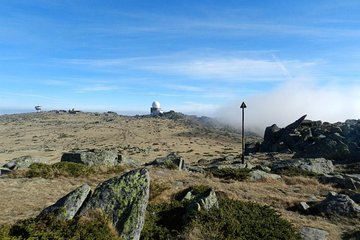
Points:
[(68, 206), (21, 162), (314, 165), (204, 201), (309, 233), (258, 175), (124, 200), (92, 157)]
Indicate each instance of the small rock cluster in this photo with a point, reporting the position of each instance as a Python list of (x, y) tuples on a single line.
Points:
[(313, 139), (18, 163), (123, 199)]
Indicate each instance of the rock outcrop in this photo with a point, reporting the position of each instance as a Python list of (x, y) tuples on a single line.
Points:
[(124, 200), (313, 139), (68, 206), (92, 157)]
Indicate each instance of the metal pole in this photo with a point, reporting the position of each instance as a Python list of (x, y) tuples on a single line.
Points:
[(243, 139), (243, 106)]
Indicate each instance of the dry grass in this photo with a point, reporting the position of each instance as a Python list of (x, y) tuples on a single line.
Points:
[(47, 136)]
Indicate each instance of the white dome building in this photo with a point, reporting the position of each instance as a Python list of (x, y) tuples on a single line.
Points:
[(155, 109)]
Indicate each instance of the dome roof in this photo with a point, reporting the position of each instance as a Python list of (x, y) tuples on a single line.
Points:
[(156, 104)]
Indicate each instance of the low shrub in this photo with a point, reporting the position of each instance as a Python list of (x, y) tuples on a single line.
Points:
[(65, 169), (94, 226), (293, 171), (232, 220), (242, 220), (239, 174)]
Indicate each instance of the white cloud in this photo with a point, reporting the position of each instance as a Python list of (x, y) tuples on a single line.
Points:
[(97, 88), (219, 68)]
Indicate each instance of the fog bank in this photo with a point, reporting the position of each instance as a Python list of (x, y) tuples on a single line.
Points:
[(289, 102)]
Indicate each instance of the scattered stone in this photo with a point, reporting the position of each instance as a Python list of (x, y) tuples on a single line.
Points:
[(204, 201), (259, 175), (124, 199), (344, 181), (68, 206), (309, 233), (173, 160), (21, 162), (93, 157), (303, 207), (314, 165)]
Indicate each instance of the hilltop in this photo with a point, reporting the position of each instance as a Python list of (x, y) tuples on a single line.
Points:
[(205, 145)]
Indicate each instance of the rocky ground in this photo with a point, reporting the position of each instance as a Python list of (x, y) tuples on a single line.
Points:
[(140, 140)]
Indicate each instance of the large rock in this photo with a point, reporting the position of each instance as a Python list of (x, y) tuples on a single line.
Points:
[(92, 157), (338, 204), (68, 206), (309, 233), (280, 139), (259, 175), (21, 162), (124, 200), (173, 160), (314, 165)]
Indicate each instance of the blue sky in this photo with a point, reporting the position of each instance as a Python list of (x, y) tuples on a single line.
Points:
[(192, 56)]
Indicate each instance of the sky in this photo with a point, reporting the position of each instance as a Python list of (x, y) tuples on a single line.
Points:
[(283, 58)]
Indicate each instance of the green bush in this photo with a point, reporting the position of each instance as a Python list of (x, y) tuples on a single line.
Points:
[(239, 174), (232, 220), (242, 220), (96, 226), (293, 171), (65, 169)]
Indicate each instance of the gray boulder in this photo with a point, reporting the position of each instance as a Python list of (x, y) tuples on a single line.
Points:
[(21, 162), (338, 204), (309, 233), (259, 175), (68, 206), (341, 181), (314, 165), (173, 160), (124, 199), (204, 201), (92, 157), (281, 139)]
